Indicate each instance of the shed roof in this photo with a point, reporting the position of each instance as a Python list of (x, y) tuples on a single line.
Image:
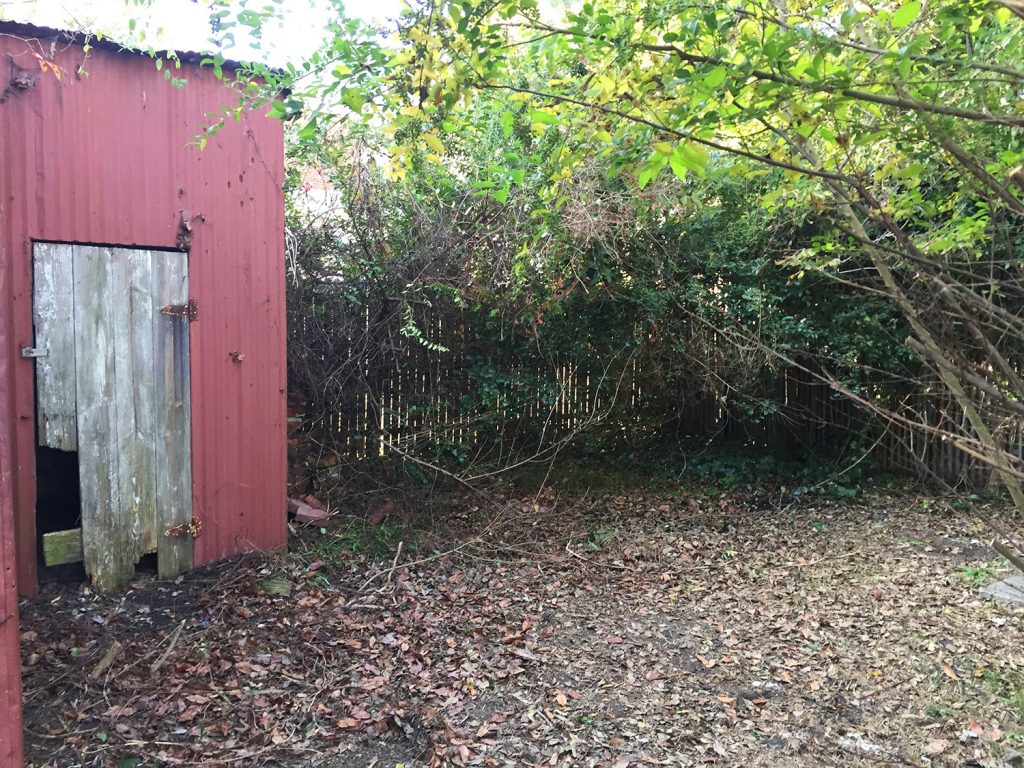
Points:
[(70, 37)]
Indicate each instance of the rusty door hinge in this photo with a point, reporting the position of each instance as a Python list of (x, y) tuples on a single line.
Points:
[(190, 309), (193, 527)]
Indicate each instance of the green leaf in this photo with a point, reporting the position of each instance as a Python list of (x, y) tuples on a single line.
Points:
[(545, 118), (308, 131), (911, 171), (804, 128), (715, 77), (651, 169), (906, 14), (850, 16), (353, 98), (677, 166), (690, 156), (250, 18), (507, 123)]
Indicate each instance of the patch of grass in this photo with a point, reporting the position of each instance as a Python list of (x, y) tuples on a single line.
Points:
[(938, 711), (601, 537), (1009, 687), (377, 542), (977, 576), (577, 478), (962, 502), (337, 544)]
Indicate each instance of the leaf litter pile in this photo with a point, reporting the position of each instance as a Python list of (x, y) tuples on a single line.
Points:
[(624, 631)]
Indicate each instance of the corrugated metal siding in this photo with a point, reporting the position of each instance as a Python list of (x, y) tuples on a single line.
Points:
[(10, 660), (101, 156)]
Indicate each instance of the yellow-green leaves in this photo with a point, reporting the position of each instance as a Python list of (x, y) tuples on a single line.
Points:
[(804, 127), (681, 157), (688, 156), (539, 116), (434, 142), (651, 169)]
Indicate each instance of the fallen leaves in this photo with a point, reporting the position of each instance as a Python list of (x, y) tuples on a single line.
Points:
[(767, 644)]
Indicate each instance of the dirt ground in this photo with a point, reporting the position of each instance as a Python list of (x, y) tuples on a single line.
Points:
[(643, 630)]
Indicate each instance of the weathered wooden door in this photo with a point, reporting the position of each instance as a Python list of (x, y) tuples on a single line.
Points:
[(112, 383)]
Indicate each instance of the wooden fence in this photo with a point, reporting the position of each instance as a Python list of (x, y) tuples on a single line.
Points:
[(413, 408), (441, 393)]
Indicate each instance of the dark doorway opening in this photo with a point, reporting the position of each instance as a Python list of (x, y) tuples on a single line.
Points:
[(58, 506)]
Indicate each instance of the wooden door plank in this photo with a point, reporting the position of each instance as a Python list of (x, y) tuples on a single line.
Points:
[(109, 544), (173, 415), (132, 312), (54, 320), (94, 392)]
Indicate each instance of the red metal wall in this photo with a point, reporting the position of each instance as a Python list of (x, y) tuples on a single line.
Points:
[(101, 156), (10, 660)]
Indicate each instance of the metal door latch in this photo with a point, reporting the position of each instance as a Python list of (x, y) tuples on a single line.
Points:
[(192, 528), (35, 352), (189, 310)]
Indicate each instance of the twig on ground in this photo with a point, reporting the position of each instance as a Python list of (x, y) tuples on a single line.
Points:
[(107, 661), (155, 666), (394, 562), (578, 556), (421, 561)]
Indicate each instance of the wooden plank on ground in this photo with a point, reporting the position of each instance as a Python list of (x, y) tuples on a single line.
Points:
[(173, 415), (53, 315), (62, 547)]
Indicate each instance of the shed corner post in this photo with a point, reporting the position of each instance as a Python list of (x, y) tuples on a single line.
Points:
[(11, 745)]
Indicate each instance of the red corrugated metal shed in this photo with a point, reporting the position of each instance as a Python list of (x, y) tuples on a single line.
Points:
[(10, 660), (102, 156)]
